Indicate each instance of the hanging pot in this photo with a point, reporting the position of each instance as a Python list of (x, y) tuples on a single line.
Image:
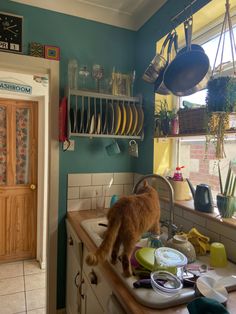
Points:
[(190, 71), (157, 64), (159, 86)]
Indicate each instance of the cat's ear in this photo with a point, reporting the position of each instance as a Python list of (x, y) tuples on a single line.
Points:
[(145, 183)]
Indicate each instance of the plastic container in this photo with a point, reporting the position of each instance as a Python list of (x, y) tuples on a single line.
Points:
[(218, 256), (164, 281), (178, 174)]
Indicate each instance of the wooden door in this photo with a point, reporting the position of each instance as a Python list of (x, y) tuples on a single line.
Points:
[(18, 178)]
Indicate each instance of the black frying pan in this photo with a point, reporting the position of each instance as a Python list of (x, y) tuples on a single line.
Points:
[(190, 71)]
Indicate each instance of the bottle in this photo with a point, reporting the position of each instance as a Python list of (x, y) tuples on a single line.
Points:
[(73, 74), (178, 174)]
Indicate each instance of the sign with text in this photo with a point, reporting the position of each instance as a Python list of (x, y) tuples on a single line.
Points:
[(14, 87)]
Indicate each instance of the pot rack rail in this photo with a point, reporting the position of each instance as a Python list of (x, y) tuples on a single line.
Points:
[(174, 18)]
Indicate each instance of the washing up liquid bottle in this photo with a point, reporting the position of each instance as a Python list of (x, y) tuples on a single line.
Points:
[(178, 174)]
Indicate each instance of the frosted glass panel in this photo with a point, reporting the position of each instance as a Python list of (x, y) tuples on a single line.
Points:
[(22, 146), (3, 146)]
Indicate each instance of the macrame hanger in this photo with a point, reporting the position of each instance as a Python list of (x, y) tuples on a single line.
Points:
[(227, 19)]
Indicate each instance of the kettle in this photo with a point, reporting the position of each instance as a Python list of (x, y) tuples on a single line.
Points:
[(202, 197)]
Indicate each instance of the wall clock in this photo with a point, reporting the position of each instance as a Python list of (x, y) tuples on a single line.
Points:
[(11, 32)]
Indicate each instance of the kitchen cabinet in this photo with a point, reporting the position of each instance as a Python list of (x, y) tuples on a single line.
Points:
[(94, 115), (95, 285), (73, 270)]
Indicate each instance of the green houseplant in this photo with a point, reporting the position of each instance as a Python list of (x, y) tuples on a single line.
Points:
[(220, 101), (164, 118), (226, 201)]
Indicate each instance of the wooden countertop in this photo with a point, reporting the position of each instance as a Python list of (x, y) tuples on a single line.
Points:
[(126, 299)]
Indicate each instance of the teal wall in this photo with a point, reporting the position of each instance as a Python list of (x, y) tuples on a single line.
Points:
[(90, 43)]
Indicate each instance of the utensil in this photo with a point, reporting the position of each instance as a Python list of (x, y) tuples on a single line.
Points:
[(190, 71), (159, 86), (157, 64), (133, 148), (211, 288), (202, 197)]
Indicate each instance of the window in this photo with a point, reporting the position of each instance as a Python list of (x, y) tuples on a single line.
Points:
[(200, 166)]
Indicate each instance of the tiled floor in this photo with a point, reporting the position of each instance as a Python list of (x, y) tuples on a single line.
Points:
[(22, 288)]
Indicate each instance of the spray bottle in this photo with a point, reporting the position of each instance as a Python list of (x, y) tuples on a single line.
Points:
[(178, 174)]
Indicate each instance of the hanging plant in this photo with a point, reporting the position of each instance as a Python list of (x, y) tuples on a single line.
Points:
[(221, 93)]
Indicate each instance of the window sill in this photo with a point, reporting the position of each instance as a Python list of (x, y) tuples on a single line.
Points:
[(188, 206)]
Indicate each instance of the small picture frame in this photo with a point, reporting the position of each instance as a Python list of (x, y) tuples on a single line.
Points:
[(36, 50), (51, 52), (121, 84)]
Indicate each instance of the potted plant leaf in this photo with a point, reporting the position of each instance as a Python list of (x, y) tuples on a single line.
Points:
[(220, 101), (165, 119), (226, 200)]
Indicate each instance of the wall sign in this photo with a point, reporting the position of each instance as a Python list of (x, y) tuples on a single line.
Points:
[(17, 88)]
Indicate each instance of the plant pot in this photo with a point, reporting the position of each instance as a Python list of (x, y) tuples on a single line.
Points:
[(226, 205)]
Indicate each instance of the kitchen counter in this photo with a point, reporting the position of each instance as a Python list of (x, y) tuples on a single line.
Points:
[(116, 284)]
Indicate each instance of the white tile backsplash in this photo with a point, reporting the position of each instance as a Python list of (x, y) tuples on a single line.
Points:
[(73, 192), (83, 188), (221, 229), (124, 178), (117, 189), (102, 178), (91, 191), (194, 217), (79, 179), (79, 204)]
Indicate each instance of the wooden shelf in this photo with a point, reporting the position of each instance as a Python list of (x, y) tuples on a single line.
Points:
[(190, 135)]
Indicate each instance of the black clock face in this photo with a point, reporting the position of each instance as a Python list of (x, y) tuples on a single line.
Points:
[(10, 32)]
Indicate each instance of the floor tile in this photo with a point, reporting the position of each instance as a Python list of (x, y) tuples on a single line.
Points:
[(32, 267), (35, 281), (36, 299), (9, 270), (12, 303), (37, 311), (11, 285)]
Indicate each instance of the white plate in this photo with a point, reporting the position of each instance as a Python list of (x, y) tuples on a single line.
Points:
[(91, 130), (211, 288)]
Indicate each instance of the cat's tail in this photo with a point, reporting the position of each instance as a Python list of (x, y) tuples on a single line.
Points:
[(102, 252)]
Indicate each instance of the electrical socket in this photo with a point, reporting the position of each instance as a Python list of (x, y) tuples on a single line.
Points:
[(71, 147)]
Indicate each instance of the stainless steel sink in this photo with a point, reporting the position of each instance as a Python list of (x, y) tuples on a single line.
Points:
[(149, 297)]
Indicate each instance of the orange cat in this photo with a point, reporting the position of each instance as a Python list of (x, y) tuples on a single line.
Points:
[(128, 219)]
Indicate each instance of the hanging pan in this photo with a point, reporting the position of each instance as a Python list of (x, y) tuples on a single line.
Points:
[(159, 86), (190, 71), (157, 64)]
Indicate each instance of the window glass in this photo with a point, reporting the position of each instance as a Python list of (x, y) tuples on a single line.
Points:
[(200, 163)]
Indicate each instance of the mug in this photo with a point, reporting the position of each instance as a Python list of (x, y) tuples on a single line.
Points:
[(113, 149), (133, 148)]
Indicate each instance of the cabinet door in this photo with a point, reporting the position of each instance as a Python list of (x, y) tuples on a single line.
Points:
[(89, 302), (72, 282)]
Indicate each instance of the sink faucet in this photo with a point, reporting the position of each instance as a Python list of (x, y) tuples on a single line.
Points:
[(161, 184), (172, 228)]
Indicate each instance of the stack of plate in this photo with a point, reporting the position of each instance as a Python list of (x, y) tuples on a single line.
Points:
[(89, 115)]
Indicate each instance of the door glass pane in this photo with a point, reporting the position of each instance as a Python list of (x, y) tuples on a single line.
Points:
[(3, 146), (22, 146)]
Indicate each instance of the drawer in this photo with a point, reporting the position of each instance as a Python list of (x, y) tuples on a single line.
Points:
[(98, 283)]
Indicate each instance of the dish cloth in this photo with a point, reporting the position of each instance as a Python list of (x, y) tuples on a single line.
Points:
[(198, 240), (206, 305)]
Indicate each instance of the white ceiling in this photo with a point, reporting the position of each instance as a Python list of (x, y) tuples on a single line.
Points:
[(130, 14)]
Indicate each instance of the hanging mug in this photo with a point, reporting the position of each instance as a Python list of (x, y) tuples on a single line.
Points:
[(133, 148)]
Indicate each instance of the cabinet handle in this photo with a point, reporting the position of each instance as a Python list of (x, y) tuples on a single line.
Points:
[(93, 278), (75, 280), (80, 289), (70, 241)]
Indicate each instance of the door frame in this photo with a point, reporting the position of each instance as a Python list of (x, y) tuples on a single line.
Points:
[(32, 65)]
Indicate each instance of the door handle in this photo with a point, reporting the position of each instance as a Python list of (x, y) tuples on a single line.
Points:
[(32, 186)]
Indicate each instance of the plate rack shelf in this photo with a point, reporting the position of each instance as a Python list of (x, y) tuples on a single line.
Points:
[(93, 115)]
